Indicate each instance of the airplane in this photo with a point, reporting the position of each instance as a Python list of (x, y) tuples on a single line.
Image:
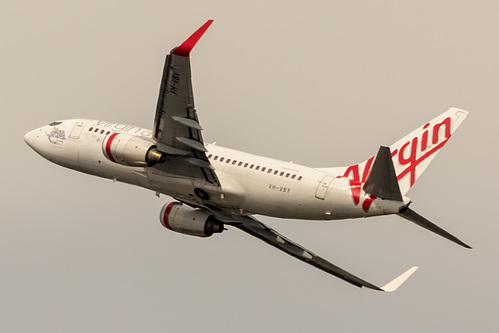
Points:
[(215, 187)]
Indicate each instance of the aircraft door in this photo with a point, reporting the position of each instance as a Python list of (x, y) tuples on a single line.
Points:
[(75, 133), (321, 191)]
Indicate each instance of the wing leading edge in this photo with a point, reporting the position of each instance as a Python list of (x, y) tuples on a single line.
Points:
[(272, 237), (176, 126)]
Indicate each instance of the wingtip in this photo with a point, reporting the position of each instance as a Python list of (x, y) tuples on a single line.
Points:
[(184, 50), (398, 281)]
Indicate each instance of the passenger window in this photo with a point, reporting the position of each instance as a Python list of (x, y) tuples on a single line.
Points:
[(228, 160), (96, 130), (108, 132), (276, 172), (299, 178), (222, 159), (269, 171), (257, 167), (216, 158), (287, 175), (263, 169), (241, 163), (251, 166), (90, 129), (282, 173), (293, 176), (102, 132), (234, 162)]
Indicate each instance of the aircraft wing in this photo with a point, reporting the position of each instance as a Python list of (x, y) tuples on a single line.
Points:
[(176, 126), (272, 237)]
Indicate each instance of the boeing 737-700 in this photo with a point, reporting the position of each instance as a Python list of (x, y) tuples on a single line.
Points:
[(214, 187)]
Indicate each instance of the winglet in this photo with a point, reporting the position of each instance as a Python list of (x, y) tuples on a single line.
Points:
[(397, 282), (185, 48)]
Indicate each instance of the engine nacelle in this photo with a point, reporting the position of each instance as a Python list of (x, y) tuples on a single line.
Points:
[(186, 220), (131, 150)]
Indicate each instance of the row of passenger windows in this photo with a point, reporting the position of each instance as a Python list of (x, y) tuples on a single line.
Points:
[(97, 130), (228, 160), (256, 167)]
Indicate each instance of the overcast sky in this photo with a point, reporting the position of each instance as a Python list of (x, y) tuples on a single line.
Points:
[(323, 83)]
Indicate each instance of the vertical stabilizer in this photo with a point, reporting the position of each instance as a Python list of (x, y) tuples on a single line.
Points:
[(413, 153)]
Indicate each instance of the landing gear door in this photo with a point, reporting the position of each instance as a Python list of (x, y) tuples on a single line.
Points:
[(321, 191), (75, 133)]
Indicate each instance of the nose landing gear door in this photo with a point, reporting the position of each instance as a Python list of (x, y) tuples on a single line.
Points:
[(76, 131), (321, 191)]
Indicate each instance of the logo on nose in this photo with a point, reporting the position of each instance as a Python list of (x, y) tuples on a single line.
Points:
[(56, 136)]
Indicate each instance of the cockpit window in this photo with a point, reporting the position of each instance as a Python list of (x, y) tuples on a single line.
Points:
[(55, 123)]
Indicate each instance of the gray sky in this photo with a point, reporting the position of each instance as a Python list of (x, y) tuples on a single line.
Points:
[(323, 84)]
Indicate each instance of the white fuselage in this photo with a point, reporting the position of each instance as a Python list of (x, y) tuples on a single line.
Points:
[(250, 184)]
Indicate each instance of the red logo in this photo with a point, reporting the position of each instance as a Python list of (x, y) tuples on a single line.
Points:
[(410, 154)]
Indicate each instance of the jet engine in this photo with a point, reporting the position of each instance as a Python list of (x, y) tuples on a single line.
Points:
[(186, 220), (131, 150)]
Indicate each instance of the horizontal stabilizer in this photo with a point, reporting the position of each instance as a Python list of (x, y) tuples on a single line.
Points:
[(412, 216), (382, 181)]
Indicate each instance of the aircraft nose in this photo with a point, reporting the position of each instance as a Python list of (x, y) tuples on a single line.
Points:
[(30, 138)]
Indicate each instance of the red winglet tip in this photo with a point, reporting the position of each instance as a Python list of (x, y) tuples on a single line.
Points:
[(185, 48)]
